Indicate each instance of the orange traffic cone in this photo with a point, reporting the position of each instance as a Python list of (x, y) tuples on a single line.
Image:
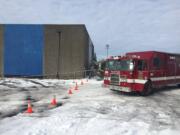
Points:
[(76, 87), (54, 102), (70, 91), (82, 82), (29, 109)]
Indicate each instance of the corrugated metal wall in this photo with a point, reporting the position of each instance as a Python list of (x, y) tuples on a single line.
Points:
[(1, 50), (23, 50), (70, 43)]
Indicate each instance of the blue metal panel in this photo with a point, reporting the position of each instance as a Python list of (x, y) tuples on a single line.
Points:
[(23, 50)]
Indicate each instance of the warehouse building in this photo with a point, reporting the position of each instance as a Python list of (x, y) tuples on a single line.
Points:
[(1, 50), (51, 51)]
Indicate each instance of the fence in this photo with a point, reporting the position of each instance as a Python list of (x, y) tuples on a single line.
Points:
[(73, 75), (67, 75)]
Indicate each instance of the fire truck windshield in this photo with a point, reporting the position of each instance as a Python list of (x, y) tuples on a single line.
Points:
[(126, 65), (111, 65)]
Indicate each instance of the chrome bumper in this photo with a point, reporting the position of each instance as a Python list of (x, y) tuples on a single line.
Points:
[(120, 88)]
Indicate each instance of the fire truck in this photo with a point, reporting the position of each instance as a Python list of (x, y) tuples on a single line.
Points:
[(109, 66), (143, 72)]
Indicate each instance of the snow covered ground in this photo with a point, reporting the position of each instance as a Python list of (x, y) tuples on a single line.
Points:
[(92, 110)]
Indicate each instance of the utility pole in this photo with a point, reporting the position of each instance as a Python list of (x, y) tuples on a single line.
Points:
[(107, 47)]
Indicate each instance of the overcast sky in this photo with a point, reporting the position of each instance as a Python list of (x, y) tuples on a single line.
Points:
[(126, 25)]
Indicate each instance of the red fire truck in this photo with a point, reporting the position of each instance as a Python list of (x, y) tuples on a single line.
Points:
[(110, 65), (143, 71)]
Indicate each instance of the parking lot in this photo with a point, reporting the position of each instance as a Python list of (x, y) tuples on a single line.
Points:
[(92, 109)]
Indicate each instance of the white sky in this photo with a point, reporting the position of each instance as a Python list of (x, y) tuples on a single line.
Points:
[(127, 25)]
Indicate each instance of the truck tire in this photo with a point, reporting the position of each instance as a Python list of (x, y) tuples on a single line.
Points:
[(147, 89)]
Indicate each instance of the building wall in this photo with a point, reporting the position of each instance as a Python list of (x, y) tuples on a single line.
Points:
[(44, 50), (23, 50), (1, 50), (91, 53), (51, 51), (70, 43)]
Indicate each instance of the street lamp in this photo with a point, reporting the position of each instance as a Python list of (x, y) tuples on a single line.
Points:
[(107, 47)]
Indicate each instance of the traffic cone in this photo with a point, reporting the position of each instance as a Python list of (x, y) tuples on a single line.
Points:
[(82, 82), (70, 91), (29, 109), (54, 102), (76, 87)]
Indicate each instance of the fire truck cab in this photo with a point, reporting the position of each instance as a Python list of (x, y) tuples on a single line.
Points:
[(144, 71), (110, 64)]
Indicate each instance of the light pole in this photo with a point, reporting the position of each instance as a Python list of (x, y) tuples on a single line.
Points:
[(107, 47)]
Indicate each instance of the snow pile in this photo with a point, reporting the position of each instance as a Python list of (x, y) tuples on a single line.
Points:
[(28, 83)]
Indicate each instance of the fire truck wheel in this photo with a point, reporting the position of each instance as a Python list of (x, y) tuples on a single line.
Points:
[(147, 89)]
